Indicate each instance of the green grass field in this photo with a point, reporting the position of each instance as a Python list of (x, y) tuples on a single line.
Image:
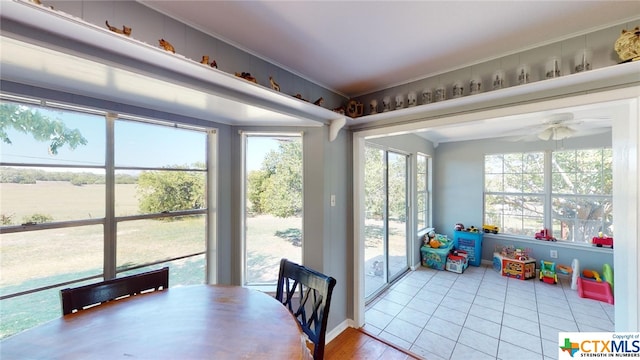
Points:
[(29, 260)]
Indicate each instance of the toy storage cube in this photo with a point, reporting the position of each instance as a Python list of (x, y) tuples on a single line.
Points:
[(519, 269), (435, 258), (457, 261), (471, 242)]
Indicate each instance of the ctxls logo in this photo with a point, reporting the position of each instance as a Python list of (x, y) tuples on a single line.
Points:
[(598, 344)]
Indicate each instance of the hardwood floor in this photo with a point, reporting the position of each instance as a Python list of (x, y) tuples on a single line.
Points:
[(355, 344)]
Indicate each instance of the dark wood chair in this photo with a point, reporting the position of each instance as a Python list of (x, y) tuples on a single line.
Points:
[(307, 295), (82, 297)]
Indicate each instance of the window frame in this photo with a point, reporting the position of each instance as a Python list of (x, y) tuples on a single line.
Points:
[(425, 178), (244, 135), (110, 220)]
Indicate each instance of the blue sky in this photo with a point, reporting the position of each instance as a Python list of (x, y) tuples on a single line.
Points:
[(137, 144)]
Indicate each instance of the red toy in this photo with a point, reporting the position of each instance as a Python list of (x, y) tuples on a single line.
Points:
[(544, 234), (602, 240)]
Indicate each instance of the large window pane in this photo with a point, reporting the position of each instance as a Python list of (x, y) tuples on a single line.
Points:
[(375, 265), (142, 242), (156, 191), (273, 213), (156, 146), (514, 188), (51, 194), (24, 312), (40, 135), (397, 218), (35, 259), (187, 271), (422, 192), (579, 219)]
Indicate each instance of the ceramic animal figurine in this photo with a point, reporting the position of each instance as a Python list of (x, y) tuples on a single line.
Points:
[(319, 102), (274, 84), (628, 45), (247, 76), (299, 96), (167, 45), (124, 31)]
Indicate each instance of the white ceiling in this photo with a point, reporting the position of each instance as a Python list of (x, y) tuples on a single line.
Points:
[(357, 47)]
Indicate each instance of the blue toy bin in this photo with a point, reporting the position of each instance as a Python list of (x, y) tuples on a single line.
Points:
[(471, 242)]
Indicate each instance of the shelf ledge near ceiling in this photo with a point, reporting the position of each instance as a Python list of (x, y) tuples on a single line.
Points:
[(625, 74), (221, 83)]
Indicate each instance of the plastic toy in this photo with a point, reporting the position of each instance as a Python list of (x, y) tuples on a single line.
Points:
[(596, 289), (520, 254), (548, 272), (591, 274), (457, 261), (564, 269), (521, 270), (544, 234), (607, 273), (431, 234), (472, 229), (602, 240), (459, 227), (490, 228)]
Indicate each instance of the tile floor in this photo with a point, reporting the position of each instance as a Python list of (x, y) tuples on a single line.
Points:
[(482, 315)]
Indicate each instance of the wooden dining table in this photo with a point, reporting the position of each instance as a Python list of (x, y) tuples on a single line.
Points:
[(190, 322)]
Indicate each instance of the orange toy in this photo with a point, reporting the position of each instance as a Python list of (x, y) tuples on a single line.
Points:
[(591, 274)]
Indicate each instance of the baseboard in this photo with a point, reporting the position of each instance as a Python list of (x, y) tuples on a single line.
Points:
[(338, 330)]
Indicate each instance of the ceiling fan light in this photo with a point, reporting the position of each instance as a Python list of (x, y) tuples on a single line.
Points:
[(545, 134), (562, 132)]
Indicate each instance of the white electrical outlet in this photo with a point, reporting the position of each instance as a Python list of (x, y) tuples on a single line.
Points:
[(554, 254), (333, 200)]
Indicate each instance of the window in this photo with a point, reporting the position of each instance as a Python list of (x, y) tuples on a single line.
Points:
[(273, 211), (514, 192), (54, 204), (422, 192), (571, 195), (582, 188)]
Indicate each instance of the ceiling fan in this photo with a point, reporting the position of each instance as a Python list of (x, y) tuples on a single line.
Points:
[(563, 125), (559, 127)]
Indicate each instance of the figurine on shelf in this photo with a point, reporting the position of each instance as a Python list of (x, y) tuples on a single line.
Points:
[(628, 45), (319, 102), (274, 84), (167, 45), (299, 96), (354, 108), (205, 61), (247, 76), (125, 29), (339, 110)]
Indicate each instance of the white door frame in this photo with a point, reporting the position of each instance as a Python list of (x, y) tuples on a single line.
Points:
[(626, 140)]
